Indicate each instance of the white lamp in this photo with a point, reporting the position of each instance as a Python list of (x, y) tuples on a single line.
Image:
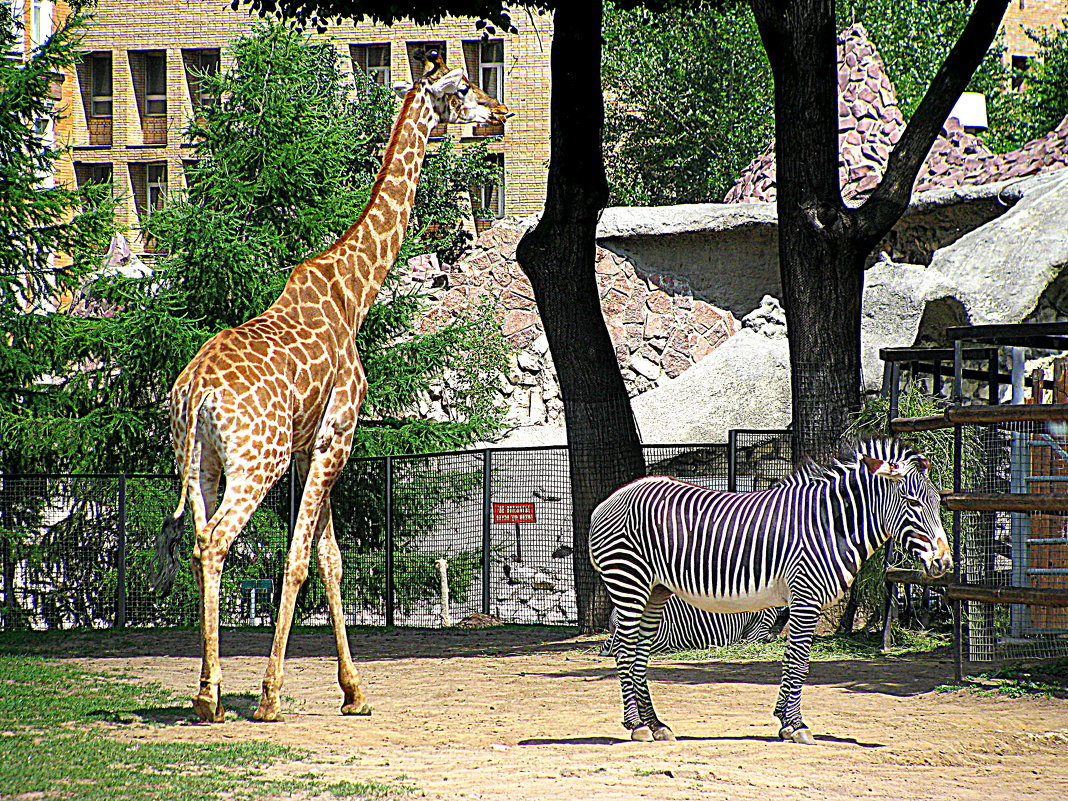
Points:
[(970, 110)]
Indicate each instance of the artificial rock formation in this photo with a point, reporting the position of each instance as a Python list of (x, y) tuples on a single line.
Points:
[(870, 124), (657, 326)]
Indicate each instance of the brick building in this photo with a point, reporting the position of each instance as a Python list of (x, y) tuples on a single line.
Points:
[(135, 89)]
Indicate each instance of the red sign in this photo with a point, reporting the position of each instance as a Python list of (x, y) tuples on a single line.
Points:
[(513, 513)]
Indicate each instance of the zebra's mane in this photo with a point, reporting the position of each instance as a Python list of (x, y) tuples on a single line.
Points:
[(887, 449)]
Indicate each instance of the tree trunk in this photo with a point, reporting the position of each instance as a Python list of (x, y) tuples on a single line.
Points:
[(823, 245), (819, 263), (558, 256)]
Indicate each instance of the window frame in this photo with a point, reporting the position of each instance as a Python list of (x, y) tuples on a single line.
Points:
[(98, 99), (495, 68), (154, 57), (158, 186)]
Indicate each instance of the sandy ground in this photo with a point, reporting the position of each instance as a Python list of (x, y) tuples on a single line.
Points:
[(523, 715)]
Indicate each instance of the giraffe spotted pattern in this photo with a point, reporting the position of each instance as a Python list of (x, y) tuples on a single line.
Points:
[(288, 384)]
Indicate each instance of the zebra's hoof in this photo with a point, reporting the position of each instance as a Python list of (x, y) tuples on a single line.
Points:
[(800, 735), (641, 734), (664, 734)]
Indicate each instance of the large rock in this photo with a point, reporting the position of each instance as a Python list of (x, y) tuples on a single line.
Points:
[(1001, 269), (744, 383)]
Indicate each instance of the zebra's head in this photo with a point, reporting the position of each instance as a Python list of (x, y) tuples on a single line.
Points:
[(911, 513)]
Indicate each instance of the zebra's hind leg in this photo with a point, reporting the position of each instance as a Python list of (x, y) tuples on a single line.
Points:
[(647, 626), (794, 671)]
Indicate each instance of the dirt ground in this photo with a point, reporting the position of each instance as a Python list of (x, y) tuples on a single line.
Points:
[(520, 715)]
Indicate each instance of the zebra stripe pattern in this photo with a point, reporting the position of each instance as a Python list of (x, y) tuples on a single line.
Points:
[(800, 543), (684, 627)]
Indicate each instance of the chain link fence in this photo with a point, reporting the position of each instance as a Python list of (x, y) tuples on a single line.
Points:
[(489, 530)]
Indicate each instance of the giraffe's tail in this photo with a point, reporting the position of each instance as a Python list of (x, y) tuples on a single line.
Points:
[(167, 541)]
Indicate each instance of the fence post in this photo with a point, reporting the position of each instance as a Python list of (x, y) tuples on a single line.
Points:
[(487, 506), (732, 461), (390, 590), (120, 567)]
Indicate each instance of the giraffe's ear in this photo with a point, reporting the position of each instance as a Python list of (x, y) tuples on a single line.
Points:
[(450, 82), (401, 88)]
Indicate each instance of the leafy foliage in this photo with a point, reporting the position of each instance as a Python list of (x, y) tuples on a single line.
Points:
[(688, 90), (688, 103), (284, 163), (51, 236)]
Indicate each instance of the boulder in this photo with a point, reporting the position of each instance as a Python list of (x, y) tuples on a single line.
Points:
[(744, 383)]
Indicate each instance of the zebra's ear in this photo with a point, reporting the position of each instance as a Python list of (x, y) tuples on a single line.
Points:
[(878, 467)]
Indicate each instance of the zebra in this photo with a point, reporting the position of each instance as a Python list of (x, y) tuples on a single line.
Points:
[(800, 543), (683, 626)]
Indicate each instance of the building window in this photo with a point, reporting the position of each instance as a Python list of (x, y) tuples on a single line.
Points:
[(155, 83), (199, 65), (15, 9), (489, 198), (40, 22), (372, 60), (100, 85), (1020, 66), (418, 66), (491, 68), (156, 184), (92, 174)]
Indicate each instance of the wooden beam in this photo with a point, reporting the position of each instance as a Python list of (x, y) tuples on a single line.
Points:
[(902, 425), (970, 415), (975, 592), (1006, 502)]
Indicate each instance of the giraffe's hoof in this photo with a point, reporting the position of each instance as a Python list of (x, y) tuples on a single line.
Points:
[(664, 734), (267, 713), (207, 709), (360, 708), (641, 734)]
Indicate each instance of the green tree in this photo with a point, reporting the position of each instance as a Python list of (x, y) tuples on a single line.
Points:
[(51, 239), (689, 103), (283, 166)]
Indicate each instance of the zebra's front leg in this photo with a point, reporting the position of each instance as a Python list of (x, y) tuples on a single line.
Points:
[(794, 672)]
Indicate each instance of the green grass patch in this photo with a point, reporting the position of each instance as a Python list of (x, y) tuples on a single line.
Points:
[(861, 645), (54, 741), (1047, 679)]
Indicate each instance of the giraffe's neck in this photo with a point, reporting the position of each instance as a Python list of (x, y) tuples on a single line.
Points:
[(355, 266)]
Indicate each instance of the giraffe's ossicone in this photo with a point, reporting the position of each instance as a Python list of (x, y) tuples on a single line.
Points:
[(287, 385)]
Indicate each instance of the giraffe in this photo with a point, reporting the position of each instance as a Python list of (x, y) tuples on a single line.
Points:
[(287, 385)]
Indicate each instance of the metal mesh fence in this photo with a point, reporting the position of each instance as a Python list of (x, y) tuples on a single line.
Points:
[(1021, 549), (491, 528)]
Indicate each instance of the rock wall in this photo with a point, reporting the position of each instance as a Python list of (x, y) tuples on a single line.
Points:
[(659, 329)]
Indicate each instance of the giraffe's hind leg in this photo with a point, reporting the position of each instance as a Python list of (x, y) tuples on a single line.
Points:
[(209, 552)]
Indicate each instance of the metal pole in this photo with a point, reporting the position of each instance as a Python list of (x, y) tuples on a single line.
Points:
[(1020, 524), (487, 507), (732, 461), (958, 397), (120, 566), (893, 393), (390, 589)]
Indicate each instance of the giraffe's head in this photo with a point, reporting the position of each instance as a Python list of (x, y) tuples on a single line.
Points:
[(453, 98)]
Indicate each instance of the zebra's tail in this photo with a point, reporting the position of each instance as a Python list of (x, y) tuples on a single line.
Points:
[(781, 619), (608, 647)]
